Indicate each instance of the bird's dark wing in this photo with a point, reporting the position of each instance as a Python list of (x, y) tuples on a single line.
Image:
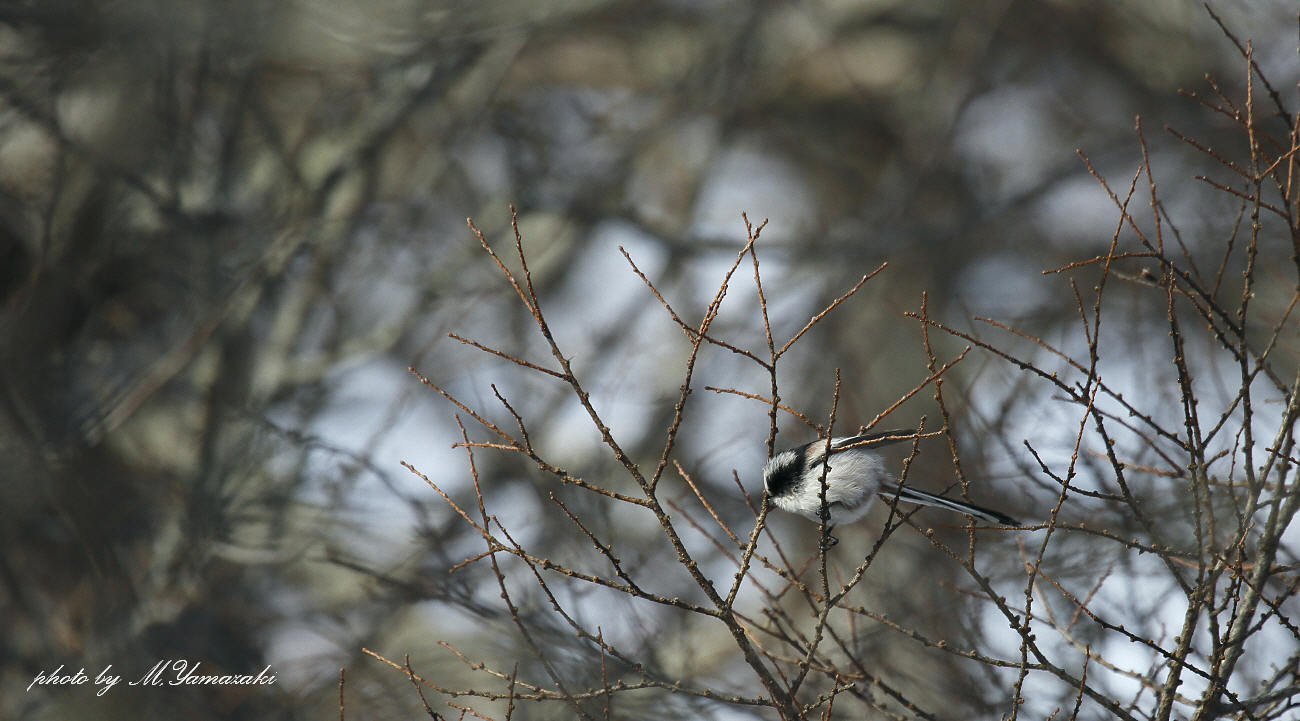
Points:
[(872, 440), (814, 450)]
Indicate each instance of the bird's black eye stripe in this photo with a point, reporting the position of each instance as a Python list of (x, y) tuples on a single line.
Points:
[(784, 476)]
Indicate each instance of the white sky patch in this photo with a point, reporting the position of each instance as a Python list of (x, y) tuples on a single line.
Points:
[(602, 290), (485, 158), (760, 182), (1077, 214), (366, 422), (303, 658), (1002, 285), (1006, 138)]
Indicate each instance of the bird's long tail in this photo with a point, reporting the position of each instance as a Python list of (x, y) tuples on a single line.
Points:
[(889, 491)]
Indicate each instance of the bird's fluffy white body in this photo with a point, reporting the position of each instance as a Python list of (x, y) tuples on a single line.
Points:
[(857, 475)]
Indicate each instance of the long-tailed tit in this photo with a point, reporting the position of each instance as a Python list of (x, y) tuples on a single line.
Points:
[(793, 480)]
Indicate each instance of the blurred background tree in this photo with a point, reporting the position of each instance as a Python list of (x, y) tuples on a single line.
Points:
[(226, 228)]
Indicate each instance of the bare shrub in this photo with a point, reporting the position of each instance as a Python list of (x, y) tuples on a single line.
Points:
[(1154, 450)]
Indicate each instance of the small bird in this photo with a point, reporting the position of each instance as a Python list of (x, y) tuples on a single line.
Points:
[(793, 480)]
